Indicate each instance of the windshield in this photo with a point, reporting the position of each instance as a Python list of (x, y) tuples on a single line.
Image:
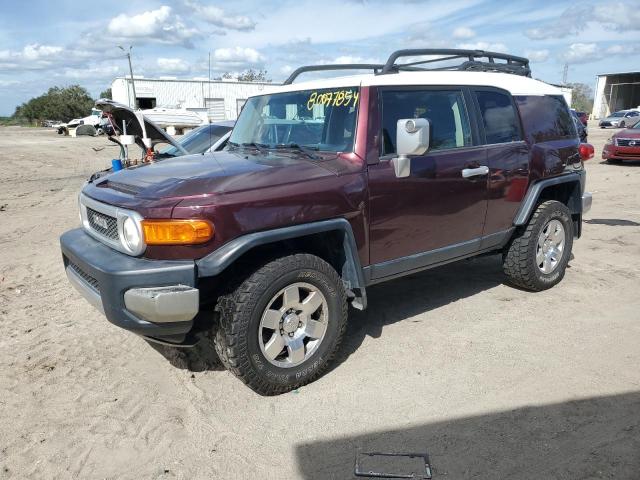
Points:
[(198, 140), (317, 119), (618, 114)]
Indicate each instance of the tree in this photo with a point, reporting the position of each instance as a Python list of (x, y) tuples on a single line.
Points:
[(250, 75), (582, 97), (59, 103), (106, 94)]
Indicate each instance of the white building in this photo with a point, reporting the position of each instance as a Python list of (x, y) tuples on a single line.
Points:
[(616, 91), (217, 100)]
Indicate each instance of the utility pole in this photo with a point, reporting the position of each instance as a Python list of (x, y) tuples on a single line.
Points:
[(133, 85), (565, 73)]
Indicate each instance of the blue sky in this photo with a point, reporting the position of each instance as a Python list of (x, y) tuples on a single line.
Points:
[(47, 43)]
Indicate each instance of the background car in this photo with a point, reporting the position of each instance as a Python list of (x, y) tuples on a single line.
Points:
[(582, 116), (623, 145), (621, 119), (580, 127), (207, 138)]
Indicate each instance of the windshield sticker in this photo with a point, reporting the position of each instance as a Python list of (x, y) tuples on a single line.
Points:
[(338, 98)]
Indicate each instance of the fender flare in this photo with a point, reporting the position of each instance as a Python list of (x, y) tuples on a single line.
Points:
[(352, 274), (535, 190)]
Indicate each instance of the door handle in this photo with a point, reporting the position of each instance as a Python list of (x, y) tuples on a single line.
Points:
[(474, 172)]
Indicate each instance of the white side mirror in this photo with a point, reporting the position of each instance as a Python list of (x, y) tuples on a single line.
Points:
[(412, 138)]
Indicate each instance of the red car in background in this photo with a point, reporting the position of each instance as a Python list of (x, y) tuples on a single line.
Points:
[(624, 145), (582, 116)]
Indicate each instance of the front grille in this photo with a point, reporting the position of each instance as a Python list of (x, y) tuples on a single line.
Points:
[(626, 142), (105, 225), (85, 276)]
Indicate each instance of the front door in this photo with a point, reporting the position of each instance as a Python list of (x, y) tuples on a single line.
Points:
[(435, 214)]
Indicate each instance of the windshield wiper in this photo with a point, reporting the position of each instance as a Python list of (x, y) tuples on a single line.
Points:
[(306, 149), (261, 147)]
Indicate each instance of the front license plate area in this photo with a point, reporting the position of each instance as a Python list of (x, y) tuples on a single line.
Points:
[(393, 465)]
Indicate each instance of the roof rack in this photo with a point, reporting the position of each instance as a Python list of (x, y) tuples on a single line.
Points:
[(341, 66), (514, 65)]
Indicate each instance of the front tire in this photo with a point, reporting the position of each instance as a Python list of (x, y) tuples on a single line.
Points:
[(282, 325), (537, 256)]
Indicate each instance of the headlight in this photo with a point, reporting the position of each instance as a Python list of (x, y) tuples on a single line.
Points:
[(131, 236)]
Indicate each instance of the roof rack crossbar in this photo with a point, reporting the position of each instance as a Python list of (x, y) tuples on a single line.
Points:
[(341, 66), (514, 64)]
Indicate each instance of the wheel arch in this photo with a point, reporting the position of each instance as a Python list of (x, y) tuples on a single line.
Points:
[(332, 240), (566, 189)]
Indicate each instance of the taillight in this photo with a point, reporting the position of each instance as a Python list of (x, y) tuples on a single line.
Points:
[(586, 151)]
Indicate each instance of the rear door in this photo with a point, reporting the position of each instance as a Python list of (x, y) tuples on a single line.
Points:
[(507, 158), (434, 214)]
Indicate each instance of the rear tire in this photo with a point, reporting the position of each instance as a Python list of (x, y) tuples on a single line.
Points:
[(282, 325), (537, 256)]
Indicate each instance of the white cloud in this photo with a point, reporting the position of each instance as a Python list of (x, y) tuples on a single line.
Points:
[(237, 56), (621, 16), (581, 53), (537, 55), (218, 17), (463, 33), (91, 73), (159, 25), (8, 83), (618, 16), (172, 65), (492, 47), (38, 57)]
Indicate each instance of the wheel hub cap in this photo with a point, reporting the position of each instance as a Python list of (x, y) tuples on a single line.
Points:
[(550, 246), (290, 323), (293, 325)]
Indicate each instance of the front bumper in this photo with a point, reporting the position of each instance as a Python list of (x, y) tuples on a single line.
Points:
[(615, 152), (153, 298)]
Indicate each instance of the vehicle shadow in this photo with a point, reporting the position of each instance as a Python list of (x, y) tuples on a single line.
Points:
[(592, 438), (200, 358), (612, 222), (625, 163), (404, 298), (391, 302)]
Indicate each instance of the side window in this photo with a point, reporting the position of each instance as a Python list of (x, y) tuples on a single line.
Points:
[(546, 117), (445, 111), (499, 117)]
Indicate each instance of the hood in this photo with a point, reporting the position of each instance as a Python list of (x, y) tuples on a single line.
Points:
[(628, 133), (209, 174), (134, 122)]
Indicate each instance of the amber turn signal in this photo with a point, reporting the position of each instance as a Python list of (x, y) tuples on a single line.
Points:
[(176, 232)]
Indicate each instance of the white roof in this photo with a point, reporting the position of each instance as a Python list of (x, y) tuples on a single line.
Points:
[(515, 84)]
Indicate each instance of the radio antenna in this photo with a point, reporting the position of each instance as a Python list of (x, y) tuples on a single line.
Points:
[(208, 107)]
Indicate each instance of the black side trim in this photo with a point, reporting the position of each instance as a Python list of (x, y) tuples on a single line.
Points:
[(399, 267), (531, 198), (352, 274), (419, 261)]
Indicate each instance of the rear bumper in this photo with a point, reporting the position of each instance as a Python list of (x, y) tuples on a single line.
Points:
[(587, 200), (154, 298)]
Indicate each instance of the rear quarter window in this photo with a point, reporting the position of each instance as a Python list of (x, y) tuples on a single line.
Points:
[(498, 116), (546, 118)]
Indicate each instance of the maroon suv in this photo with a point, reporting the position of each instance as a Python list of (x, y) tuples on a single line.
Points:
[(328, 187)]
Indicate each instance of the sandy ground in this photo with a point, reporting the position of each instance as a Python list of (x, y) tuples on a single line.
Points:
[(491, 381)]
